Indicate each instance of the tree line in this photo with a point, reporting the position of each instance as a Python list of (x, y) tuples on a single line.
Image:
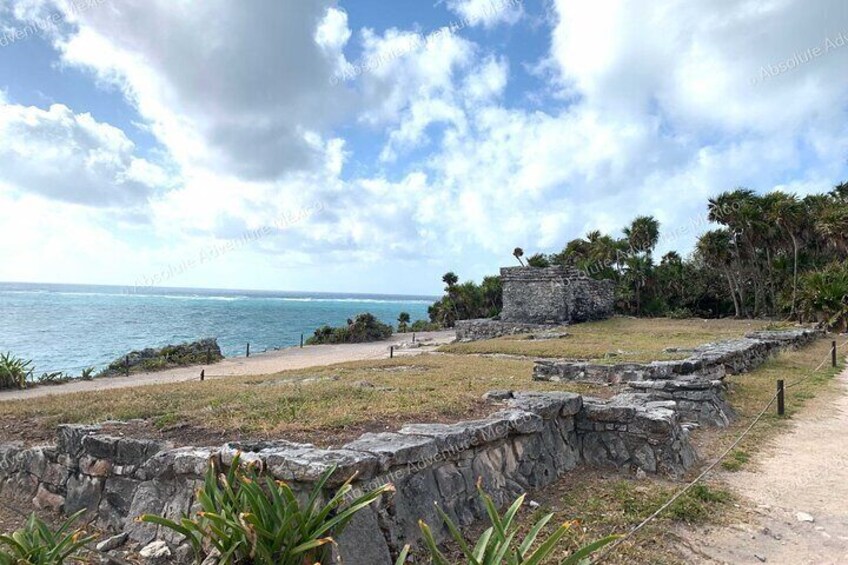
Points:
[(773, 255)]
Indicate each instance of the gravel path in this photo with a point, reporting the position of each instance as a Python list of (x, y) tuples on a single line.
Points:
[(799, 492), (257, 364)]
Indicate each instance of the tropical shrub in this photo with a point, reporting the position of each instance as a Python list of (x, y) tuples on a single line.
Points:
[(37, 544), (14, 371), (55, 378), (87, 374), (823, 296), (500, 544), (424, 326), (247, 518), (364, 328)]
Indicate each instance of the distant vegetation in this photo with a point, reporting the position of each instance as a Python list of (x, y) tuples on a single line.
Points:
[(775, 255), (364, 328)]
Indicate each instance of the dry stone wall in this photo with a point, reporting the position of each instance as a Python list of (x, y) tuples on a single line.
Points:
[(693, 387), (529, 442)]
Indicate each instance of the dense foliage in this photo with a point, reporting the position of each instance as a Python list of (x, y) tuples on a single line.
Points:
[(365, 327), (247, 518), (466, 301), (775, 255)]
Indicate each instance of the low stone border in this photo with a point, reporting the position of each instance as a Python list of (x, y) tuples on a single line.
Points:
[(533, 439), (712, 360), (486, 328), (692, 387)]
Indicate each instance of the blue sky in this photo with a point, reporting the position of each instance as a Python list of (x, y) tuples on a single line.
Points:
[(370, 146)]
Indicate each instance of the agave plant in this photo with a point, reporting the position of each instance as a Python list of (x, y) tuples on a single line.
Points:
[(14, 371), (87, 374), (38, 544), (248, 518), (500, 545)]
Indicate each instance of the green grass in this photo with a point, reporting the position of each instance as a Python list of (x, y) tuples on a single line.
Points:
[(618, 340)]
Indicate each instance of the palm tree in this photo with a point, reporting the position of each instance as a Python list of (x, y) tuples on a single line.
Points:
[(715, 247), (403, 321), (518, 253), (786, 211), (643, 234), (450, 279)]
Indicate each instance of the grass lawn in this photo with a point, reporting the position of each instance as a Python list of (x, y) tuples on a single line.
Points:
[(323, 405), (617, 340)]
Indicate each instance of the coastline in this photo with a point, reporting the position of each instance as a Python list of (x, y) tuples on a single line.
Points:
[(258, 364)]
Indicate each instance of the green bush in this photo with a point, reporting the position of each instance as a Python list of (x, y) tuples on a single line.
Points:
[(38, 544), (823, 296), (500, 545), (56, 378), (424, 326), (246, 518), (364, 328), (14, 371)]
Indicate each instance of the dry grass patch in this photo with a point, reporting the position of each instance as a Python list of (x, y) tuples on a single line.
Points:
[(617, 340), (325, 405)]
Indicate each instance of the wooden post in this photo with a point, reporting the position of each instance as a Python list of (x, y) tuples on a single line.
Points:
[(833, 353), (301, 341), (127, 365), (202, 374), (781, 406), (392, 352), (413, 337), (248, 350)]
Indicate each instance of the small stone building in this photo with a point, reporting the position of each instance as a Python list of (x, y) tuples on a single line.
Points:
[(536, 299), (554, 295)]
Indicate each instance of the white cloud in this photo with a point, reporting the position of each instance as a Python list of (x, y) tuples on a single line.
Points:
[(488, 13), (654, 111), (73, 158)]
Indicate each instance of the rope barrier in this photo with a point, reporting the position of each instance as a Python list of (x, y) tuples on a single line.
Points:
[(615, 545)]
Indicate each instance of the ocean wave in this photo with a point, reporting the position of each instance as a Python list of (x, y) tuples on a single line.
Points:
[(318, 299)]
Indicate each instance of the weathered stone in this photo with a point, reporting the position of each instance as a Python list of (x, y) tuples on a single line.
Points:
[(149, 498), (362, 541), (115, 502), (156, 552), (395, 449), (308, 465), (112, 543), (137, 451), (46, 500), (69, 438), (83, 493)]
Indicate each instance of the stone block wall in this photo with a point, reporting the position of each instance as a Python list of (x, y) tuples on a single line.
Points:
[(485, 328), (693, 387), (531, 441), (554, 295)]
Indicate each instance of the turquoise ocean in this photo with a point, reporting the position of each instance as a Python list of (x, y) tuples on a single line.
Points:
[(70, 327)]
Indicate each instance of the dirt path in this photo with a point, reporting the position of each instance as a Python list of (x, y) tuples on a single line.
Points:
[(805, 472), (257, 364)]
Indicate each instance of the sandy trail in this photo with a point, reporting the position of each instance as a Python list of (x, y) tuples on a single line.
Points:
[(806, 471), (256, 364)]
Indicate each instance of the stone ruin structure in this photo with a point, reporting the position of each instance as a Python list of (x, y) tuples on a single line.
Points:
[(536, 298), (529, 440)]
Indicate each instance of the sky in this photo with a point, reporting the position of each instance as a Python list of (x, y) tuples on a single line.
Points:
[(373, 145)]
